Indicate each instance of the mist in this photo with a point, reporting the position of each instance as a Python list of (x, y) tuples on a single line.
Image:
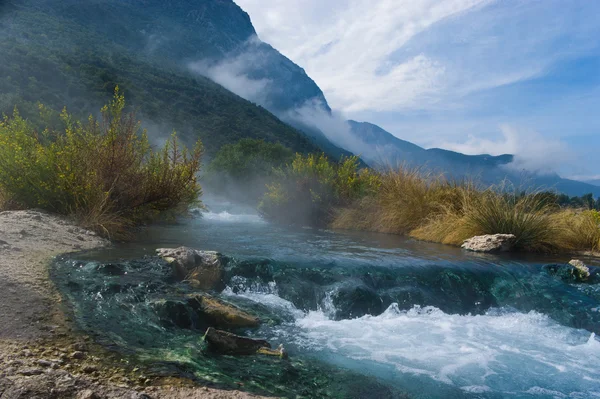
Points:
[(532, 151)]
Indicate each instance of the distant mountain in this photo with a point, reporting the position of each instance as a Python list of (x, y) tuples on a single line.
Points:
[(595, 182), (382, 148), (167, 55)]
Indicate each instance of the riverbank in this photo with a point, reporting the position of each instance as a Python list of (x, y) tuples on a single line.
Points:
[(41, 354)]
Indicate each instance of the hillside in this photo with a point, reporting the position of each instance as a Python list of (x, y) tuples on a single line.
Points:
[(51, 54), (383, 148)]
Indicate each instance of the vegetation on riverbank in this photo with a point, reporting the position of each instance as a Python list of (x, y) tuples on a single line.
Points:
[(315, 191), (102, 172), (311, 188), (242, 169)]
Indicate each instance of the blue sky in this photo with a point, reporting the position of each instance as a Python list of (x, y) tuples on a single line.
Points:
[(470, 75)]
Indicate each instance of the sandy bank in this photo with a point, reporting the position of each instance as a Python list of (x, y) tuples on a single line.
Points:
[(40, 357)]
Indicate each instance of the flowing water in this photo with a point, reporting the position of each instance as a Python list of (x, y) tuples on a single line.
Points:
[(362, 315)]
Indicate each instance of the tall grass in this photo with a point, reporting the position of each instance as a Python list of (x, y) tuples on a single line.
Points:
[(578, 229), (495, 211), (404, 200), (431, 208), (102, 172)]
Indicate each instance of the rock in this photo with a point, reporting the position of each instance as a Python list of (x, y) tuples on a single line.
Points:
[(44, 363), (490, 243), (204, 269), (87, 394), (575, 271), (279, 352), (89, 368), (356, 301), (173, 313), (77, 355), (219, 313), (5, 383), (31, 371), (230, 344), (580, 271)]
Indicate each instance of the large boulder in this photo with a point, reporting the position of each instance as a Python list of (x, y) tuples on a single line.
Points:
[(203, 269), (226, 343), (490, 243), (219, 313)]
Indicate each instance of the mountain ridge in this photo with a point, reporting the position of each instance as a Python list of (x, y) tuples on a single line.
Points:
[(488, 169)]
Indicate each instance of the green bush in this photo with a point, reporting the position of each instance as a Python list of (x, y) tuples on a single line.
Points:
[(309, 189), (104, 172), (242, 170)]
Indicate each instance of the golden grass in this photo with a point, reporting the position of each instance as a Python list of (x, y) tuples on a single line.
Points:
[(430, 208), (405, 200), (577, 230)]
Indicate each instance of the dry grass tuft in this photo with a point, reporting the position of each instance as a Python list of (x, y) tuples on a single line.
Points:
[(430, 208)]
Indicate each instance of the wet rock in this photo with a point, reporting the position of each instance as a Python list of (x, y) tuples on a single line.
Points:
[(230, 344), (112, 269), (490, 243), (580, 270), (279, 352), (173, 313), (203, 269), (356, 301), (575, 271), (219, 313)]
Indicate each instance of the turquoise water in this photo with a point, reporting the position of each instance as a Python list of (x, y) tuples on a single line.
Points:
[(362, 315)]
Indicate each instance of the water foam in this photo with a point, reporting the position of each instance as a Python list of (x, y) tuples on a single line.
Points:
[(505, 352), (225, 216)]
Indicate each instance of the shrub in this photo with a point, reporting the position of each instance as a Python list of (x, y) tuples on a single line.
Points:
[(404, 200), (243, 169), (311, 187), (104, 172), (495, 211)]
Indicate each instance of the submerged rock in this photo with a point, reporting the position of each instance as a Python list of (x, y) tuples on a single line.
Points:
[(173, 313), (220, 313), (574, 271), (203, 269), (230, 344), (199, 311), (356, 301), (490, 243)]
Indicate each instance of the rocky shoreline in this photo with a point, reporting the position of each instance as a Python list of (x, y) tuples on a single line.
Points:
[(41, 354)]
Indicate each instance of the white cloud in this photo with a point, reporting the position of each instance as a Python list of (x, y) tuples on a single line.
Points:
[(345, 46), (532, 151), (231, 73), (393, 55)]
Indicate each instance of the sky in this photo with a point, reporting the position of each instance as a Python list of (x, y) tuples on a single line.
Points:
[(475, 76)]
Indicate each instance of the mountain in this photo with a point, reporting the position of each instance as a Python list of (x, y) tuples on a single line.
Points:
[(179, 64), (72, 53), (380, 147), (595, 182)]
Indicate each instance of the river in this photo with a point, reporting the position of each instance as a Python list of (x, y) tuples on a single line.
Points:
[(362, 315)]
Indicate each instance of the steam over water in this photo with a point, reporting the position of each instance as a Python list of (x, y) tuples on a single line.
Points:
[(423, 319)]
